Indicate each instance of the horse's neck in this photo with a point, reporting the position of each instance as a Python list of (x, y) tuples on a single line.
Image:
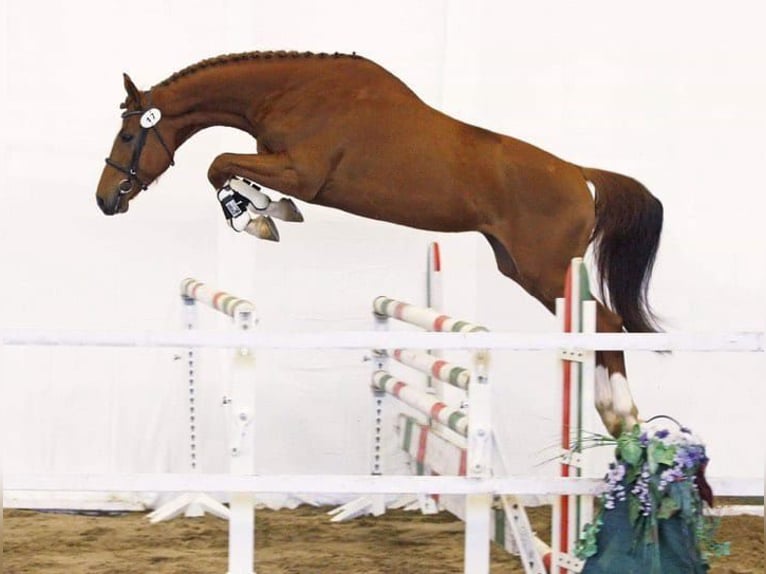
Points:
[(215, 98), (195, 106), (234, 94)]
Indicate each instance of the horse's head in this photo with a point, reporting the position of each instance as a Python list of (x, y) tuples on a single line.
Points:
[(142, 150)]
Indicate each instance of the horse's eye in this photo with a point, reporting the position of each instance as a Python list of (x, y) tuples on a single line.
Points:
[(125, 137)]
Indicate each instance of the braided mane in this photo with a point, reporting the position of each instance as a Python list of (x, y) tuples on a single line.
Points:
[(247, 56)]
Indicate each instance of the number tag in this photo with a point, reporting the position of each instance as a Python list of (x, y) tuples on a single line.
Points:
[(150, 118)]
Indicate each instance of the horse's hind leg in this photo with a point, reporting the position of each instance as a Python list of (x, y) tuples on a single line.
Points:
[(613, 398), (505, 263)]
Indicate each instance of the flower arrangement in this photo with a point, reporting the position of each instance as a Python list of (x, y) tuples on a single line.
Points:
[(659, 475)]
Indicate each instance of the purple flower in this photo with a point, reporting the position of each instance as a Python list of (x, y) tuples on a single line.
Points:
[(690, 457), (669, 476), (615, 491), (641, 491), (662, 433)]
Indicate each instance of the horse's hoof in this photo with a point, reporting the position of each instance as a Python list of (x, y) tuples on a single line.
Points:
[(289, 211), (263, 227)]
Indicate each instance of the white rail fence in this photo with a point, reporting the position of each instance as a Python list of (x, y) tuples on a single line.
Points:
[(241, 484), (745, 342)]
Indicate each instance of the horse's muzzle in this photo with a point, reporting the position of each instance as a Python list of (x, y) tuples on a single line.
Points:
[(102, 206), (110, 206)]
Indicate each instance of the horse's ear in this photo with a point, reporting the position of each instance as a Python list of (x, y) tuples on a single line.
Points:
[(133, 92)]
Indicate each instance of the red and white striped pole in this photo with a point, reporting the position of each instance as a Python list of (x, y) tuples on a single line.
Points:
[(577, 314)]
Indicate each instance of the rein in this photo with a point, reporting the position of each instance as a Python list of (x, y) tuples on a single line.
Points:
[(150, 117)]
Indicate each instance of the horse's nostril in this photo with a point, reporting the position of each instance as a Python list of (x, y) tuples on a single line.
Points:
[(105, 208)]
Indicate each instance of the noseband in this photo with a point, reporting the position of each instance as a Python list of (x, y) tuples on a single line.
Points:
[(150, 117)]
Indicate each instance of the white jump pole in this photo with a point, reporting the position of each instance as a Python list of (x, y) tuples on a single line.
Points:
[(434, 367), (241, 402), (428, 319)]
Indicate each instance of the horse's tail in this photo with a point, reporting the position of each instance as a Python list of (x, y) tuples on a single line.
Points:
[(625, 241)]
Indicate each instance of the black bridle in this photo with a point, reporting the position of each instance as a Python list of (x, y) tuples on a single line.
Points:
[(150, 117)]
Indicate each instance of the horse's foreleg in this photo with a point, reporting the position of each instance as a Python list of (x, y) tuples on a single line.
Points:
[(274, 170), (614, 400), (261, 204), (270, 170)]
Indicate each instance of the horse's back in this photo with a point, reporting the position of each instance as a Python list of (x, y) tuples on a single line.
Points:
[(381, 152)]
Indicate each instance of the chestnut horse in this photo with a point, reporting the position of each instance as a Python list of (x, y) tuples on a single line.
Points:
[(341, 131)]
